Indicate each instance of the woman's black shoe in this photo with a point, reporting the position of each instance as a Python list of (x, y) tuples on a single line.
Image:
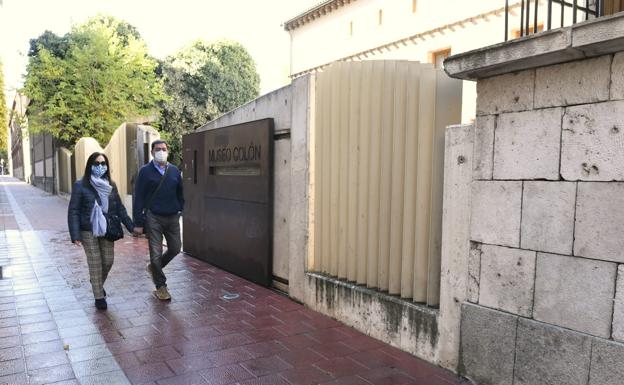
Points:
[(100, 303)]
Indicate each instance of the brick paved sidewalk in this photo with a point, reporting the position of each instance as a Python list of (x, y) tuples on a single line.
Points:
[(50, 332)]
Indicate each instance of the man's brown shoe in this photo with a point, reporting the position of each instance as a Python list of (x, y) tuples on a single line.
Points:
[(162, 293)]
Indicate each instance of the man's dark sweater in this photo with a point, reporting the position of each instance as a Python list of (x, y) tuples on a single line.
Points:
[(168, 200)]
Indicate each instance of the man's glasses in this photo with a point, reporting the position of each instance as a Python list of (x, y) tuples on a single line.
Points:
[(96, 163)]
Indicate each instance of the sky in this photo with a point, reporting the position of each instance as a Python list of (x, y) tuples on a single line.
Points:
[(165, 25)]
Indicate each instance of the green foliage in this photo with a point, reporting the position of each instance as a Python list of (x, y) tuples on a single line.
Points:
[(4, 121), (103, 78), (124, 31), (56, 45), (201, 82)]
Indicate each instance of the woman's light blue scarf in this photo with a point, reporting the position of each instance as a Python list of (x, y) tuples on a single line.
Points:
[(98, 220)]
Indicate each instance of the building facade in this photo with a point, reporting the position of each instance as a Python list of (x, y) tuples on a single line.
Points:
[(32, 154), (20, 165), (425, 31), (415, 30)]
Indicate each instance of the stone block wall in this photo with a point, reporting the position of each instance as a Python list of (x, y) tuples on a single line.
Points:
[(546, 266)]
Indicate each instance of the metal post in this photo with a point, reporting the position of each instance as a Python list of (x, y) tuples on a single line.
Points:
[(535, 17), (521, 18), (528, 16), (574, 6), (562, 13), (586, 9), (599, 8), (549, 14), (506, 19)]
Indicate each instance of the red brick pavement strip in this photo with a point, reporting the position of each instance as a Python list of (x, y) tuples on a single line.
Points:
[(197, 338)]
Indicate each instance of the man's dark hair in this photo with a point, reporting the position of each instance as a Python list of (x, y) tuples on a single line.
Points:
[(159, 142)]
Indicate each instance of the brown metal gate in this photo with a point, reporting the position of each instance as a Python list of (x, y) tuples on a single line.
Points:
[(228, 187)]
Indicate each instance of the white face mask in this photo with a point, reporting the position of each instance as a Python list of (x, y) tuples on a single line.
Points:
[(161, 156)]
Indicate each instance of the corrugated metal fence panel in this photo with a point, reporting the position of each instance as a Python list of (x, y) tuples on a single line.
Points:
[(398, 179), (343, 158), (374, 173), (334, 166), (409, 192), (378, 164), (426, 110), (352, 158), (363, 160)]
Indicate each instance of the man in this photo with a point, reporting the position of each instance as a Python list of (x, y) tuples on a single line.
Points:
[(158, 203)]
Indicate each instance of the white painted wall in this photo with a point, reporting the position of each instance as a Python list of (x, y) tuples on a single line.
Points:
[(328, 38)]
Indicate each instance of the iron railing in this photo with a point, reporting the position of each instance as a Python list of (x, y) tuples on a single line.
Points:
[(578, 10)]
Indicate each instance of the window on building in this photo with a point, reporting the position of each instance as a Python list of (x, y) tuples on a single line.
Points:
[(414, 5), (437, 57), (380, 17)]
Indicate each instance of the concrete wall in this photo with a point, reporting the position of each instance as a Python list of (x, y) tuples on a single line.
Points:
[(64, 168), (125, 152), (424, 331), (545, 300), (82, 150)]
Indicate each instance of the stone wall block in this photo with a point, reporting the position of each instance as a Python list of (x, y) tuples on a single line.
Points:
[(592, 142), (527, 145), (487, 345), (617, 76), (607, 360), (484, 147), (495, 217), (506, 93), (598, 36), (575, 293), (474, 272), (548, 216), (583, 81), (507, 279), (550, 355), (599, 229), (618, 311), (542, 49)]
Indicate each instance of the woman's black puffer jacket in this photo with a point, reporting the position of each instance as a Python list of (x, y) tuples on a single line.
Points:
[(83, 198)]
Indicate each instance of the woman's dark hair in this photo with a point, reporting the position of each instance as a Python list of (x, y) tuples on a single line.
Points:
[(86, 179)]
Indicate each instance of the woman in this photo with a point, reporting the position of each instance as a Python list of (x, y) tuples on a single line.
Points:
[(93, 198)]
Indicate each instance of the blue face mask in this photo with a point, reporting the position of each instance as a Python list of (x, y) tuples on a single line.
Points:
[(99, 170)]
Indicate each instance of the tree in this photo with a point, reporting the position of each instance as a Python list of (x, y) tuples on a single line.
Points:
[(4, 121), (203, 81), (90, 81), (56, 45)]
